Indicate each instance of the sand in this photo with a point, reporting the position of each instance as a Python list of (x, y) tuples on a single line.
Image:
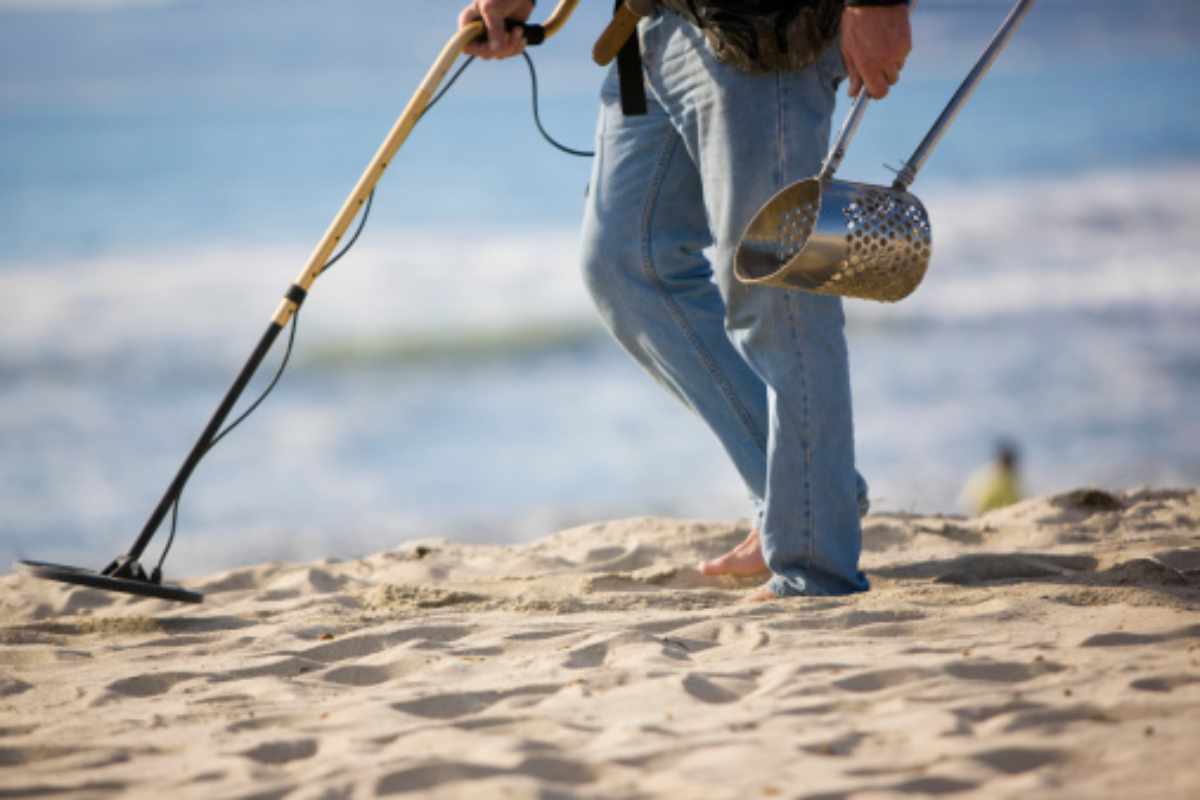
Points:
[(1048, 650)]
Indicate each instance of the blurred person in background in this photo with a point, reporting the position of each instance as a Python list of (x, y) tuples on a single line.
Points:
[(997, 484)]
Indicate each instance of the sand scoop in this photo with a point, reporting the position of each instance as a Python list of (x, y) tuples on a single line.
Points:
[(855, 239)]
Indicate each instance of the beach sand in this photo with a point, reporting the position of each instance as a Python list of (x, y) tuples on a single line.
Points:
[(1046, 650)]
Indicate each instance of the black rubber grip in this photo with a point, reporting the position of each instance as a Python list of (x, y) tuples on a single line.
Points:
[(296, 293), (534, 34)]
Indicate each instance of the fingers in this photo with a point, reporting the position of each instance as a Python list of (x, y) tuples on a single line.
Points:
[(468, 16), (877, 87), (877, 81), (852, 71), (501, 42), (880, 80), (499, 39), (875, 44)]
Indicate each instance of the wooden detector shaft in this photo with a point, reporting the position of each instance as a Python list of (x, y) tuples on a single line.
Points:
[(127, 566)]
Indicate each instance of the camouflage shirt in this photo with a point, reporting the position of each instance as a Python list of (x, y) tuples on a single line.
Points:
[(764, 35)]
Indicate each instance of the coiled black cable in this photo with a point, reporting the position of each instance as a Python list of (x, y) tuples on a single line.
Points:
[(366, 212)]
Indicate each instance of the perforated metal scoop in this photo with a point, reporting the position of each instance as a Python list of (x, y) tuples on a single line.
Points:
[(855, 239)]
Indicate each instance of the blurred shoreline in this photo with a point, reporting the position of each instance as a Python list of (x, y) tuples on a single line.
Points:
[(165, 168)]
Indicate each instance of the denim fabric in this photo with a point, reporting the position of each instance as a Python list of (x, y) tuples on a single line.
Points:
[(767, 370)]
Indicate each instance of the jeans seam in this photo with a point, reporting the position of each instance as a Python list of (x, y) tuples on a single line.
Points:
[(805, 425), (781, 146), (673, 308), (793, 326)]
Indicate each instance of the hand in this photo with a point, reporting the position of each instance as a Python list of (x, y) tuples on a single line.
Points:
[(501, 43), (875, 42)]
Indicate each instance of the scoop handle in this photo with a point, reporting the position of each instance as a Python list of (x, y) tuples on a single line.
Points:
[(909, 173), (849, 128)]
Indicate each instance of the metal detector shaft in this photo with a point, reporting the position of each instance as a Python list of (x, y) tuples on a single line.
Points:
[(909, 173), (123, 566), (296, 293), (396, 137)]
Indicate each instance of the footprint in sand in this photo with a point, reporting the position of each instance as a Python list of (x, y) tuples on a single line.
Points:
[(1050, 721), (1124, 639), (262, 723), (622, 647), (878, 680), (1001, 671), (932, 786), (536, 636), (428, 776), (368, 644), (1164, 683), (10, 687), (594, 653), (1142, 572), (693, 637), (1186, 560), (1019, 760), (460, 704), (281, 668), (719, 689), (978, 568), (283, 751), (230, 698), (880, 536), (618, 559), (347, 648), (586, 657), (840, 746), (676, 623), (556, 770), (927, 786), (358, 675), (240, 580), (978, 714), (303, 583), (879, 624), (149, 685)]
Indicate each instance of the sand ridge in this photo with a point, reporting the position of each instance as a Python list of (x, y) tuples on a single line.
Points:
[(1051, 649)]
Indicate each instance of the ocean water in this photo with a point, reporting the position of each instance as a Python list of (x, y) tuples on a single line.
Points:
[(165, 168)]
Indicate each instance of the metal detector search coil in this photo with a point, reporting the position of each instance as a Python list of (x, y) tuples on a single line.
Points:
[(140, 584)]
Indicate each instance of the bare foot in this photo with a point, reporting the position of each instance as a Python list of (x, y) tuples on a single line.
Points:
[(745, 559), (762, 594)]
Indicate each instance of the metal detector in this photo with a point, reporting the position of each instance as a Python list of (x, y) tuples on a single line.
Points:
[(126, 574)]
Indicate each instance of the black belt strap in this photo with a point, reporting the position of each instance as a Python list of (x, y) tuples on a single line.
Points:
[(629, 70)]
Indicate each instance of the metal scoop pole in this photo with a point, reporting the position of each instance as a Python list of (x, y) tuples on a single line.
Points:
[(850, 127), (908, 174)]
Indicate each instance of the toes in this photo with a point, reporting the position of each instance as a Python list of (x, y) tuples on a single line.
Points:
[(762, 594)]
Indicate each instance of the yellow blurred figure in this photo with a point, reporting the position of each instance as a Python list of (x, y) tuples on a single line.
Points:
[(996, 485)]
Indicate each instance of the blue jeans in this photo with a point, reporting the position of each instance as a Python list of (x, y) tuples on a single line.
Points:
[(766, 368)]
